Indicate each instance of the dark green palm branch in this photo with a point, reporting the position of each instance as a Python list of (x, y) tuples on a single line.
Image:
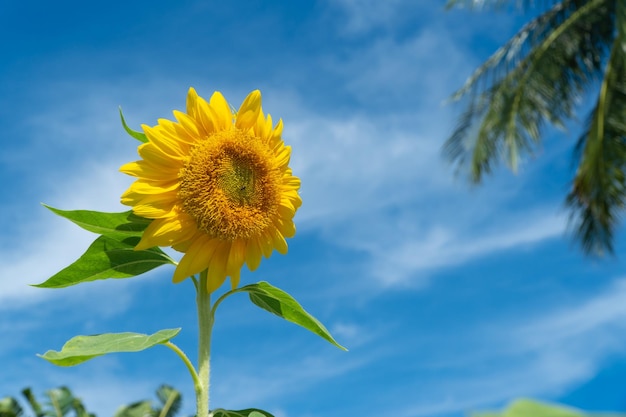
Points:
[(60, 402), (10, 407), (538, 78), (170, 401)]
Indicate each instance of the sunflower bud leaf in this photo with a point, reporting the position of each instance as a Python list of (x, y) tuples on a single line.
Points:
[(141, 137), (248, 412), (80, 349), (116, 225), (106, 258), (523, 407), (278, 302)]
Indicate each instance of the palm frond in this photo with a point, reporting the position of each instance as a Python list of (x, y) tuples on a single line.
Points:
[(137, 409), (61, 402), (536, 78), (598, 192), (171, 401), (33, 403), (523, 5), (507, 56), (10, 407)]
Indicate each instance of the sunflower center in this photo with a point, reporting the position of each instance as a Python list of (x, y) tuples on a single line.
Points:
[(230, 185)]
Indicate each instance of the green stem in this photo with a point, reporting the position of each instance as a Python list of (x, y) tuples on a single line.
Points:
[(205, 325), (188, 364), (222, 298)]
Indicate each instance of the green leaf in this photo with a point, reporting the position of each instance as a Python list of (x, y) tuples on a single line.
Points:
[(32, 401), (278, 302), (532, 408), (108, 258), (80, 349), (141, 137), (61, 402), (9, 407), (116, 225), (170, 399), (138, 409), (248, 412)]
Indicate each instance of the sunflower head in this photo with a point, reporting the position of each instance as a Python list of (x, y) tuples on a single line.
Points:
[(217, 185)]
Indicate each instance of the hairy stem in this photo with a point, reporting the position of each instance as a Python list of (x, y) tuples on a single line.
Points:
[(205, 325), (185, 359)]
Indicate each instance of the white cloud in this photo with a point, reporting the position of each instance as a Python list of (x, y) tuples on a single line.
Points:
[(362, 16), (579, 334), (280, 377), (409, 75), (396, 262), (58, 242), (541, 354), (359, 166)]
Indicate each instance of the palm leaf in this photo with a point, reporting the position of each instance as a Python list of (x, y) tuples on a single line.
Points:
[(537, 79), (599, 188), (504, 120), (33, 403), (137, 409), (10, 407), (524, 5), (171, 401)]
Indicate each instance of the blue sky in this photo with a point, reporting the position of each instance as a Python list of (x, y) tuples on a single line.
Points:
[(451, 298)]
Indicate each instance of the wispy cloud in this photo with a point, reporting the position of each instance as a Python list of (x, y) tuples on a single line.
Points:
[(540, 355), (363, 16), (396, 262)]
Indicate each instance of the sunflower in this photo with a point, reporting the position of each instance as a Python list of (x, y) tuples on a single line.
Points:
[(218, 187)]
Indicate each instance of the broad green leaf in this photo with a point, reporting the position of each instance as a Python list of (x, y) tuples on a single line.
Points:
[(116, 225), (248, 412), (32, 401), (60, 402), (171, 400), (532, 408), (284, 305), (141, 137), (80, 349), (138, 409), (108, 258), (10, 407)]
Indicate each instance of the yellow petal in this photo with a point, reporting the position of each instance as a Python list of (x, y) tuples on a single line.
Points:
[(188, 123), (291, 182), (217, 269), (253, 255), (176, 132), (166, 144), (249, 111), (262, 128), (148, 170), (286, 207), (279, 242), (276, 134), (152, 187), (286, 227), (167, 231), (265, 242), (207, 116), (236, 257), (192, 102), (152, 153), (235, 277), (155, 206), (222, 111), (196, 259), (283, 156)]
